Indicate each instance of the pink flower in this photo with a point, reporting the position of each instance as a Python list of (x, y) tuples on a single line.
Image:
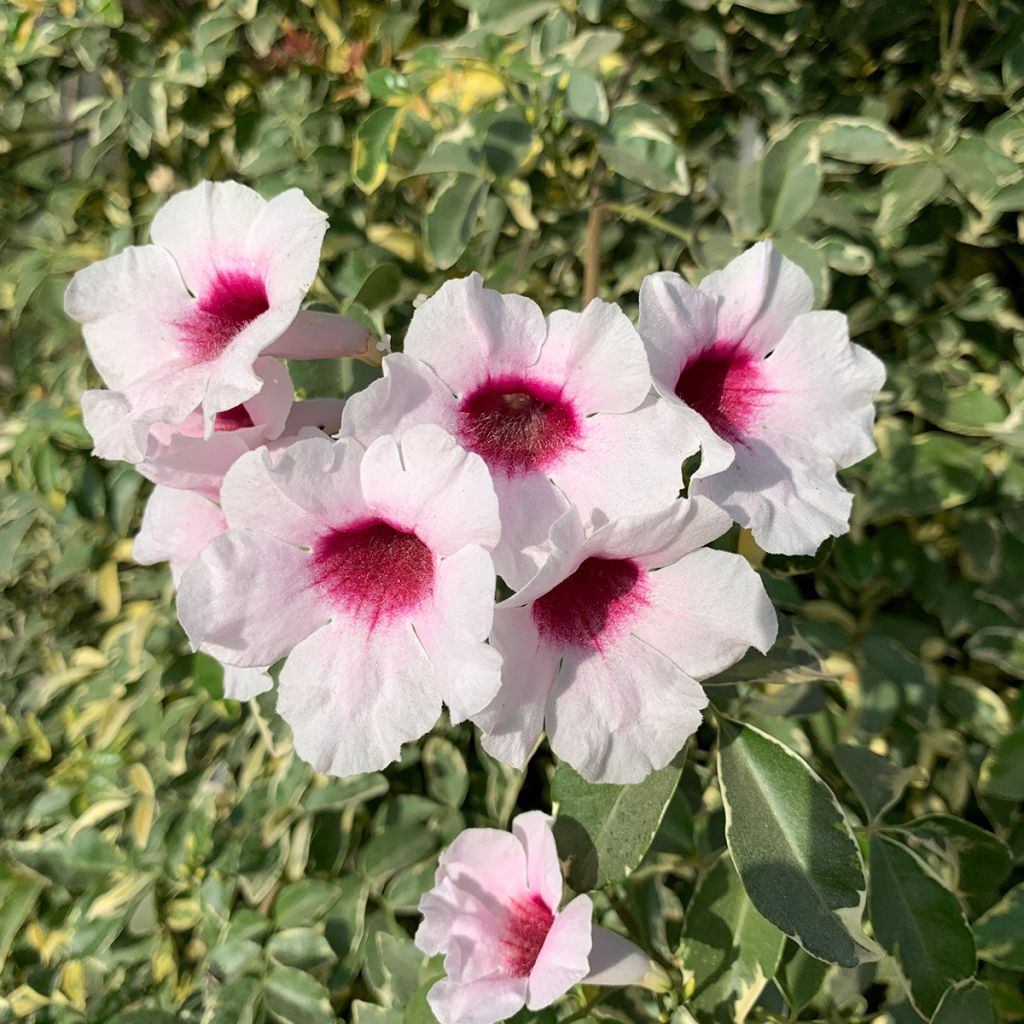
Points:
[(494, 913), (558, 409), (177, 325), (182, 456), (780, 397), (604, 646), (368, 569)]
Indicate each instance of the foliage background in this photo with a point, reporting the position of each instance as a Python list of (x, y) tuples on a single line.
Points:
[(164, 856)]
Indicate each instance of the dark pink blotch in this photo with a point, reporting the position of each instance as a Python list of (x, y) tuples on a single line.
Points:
[(232, 299), (596, 601), (373, 570), (725, 384), (236, 418), (517, 426), (529, 921)]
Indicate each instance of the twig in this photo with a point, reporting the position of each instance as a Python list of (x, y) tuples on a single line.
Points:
[(592, 251)]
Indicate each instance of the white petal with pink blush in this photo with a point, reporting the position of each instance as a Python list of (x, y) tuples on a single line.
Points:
[(178, 325), (604, 647), (554, 406), (368, 570), (779, 395), (495, 913)]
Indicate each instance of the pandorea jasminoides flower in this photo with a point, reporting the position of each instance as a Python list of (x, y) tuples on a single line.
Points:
[(780, 396), (564, 401), (604, 646), (495, 913), (368, 569), (183, 456), (177, 325)]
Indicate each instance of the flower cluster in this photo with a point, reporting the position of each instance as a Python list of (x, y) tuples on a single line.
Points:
[(360, 544)]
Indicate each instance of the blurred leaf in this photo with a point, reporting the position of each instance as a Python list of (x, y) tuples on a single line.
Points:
[(920, 922), (729, 947), (451, 217), (967, 1002), (1000, 932), (294, 997), (791, 175), (878, 783), (372, 147)]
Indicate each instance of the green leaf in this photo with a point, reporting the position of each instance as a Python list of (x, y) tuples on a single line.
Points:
[(1002, 771), (800, 976), (1000, 932), (639, 144), (372, 147), (1001, 646), (17, 900), (605, 830), (304, 948), (968, 1002), (730, 948), (586, 97), (791, 175), (294, 997), (792, 846), (451, 217), (981, 861), (304, 902), (445, 767), (877, 782), (863, 141), (906, 191), (920, 922)]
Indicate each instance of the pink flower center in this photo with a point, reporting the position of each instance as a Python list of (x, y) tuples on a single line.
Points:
[(529, 921), (233, 299), (724, 383), (598, 599), (373, 570), (236, 418), (517, 426)]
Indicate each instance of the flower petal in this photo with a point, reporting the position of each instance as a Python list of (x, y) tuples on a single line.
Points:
[(176, 527), (454, 628), (433, 486), (760, 294), (285, 238), (467, 333), (296, 493), (654, 539), (408, 395), (597, 357), (676, 323), (627, 463), (823, 388), (512, 723), (206, 226), (246, 599), (245, 683), (479, 1002), (565, 956), (543, 871), (618, 715), (784, 492), (128, 305), (352, 699), (530, 506), (705, 611)]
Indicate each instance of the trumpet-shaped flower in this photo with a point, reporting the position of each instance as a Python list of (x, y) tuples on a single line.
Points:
[(494, 913), (177, 325), (604, 646), (558, 409), (182, 456), (368, 569), (780, 396)]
